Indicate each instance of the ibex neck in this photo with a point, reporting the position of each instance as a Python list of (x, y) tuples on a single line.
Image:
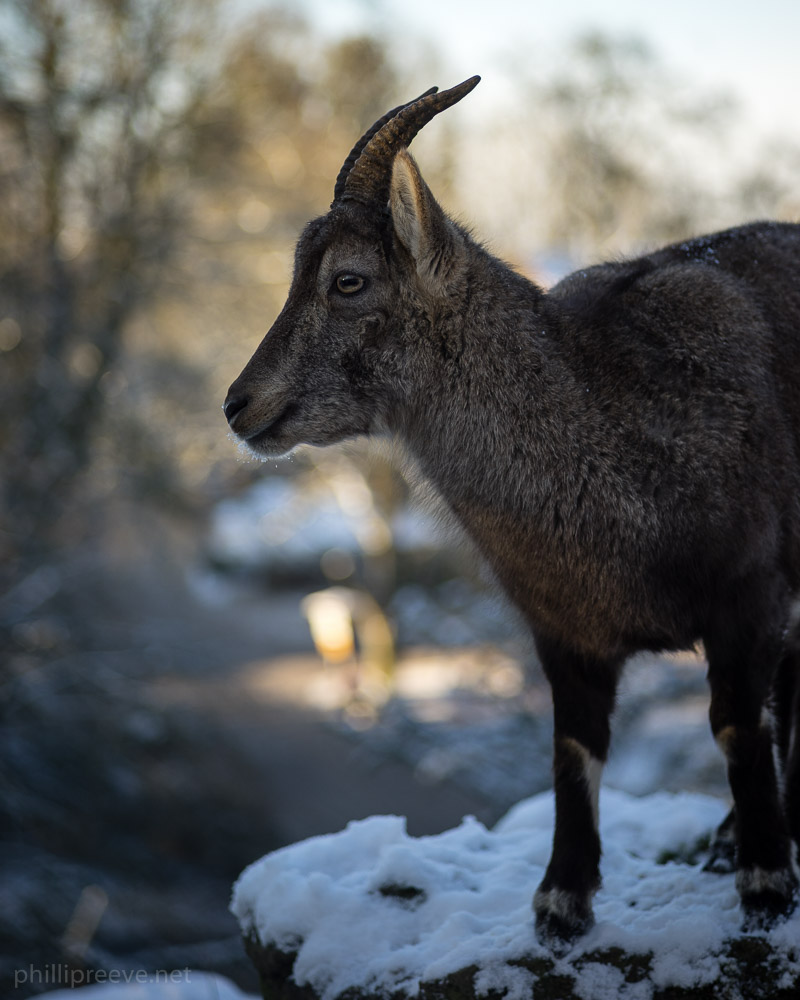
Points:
[(489, 374)]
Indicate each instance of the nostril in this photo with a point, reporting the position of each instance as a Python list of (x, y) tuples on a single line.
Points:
[(233, 406)]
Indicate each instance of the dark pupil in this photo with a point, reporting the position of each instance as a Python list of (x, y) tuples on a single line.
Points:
[(349, 283)]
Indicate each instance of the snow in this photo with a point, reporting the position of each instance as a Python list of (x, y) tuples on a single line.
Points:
[(278, 522), (467, 901), (273, 521)]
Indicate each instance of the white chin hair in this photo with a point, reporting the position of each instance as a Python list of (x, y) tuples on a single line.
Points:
[(261, 454)]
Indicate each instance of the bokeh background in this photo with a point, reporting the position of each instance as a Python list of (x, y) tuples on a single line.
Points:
[(204, 658)]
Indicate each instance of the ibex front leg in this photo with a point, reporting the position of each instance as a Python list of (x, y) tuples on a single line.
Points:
[(583, 699), (743, 655), (786, 703)]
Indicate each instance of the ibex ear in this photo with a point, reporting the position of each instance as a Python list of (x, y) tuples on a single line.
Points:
[(420, 224)]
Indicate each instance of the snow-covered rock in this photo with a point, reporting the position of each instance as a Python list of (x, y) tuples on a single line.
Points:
[(374, 910)]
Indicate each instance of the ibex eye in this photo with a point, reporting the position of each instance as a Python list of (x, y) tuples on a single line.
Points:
[(349, 283)]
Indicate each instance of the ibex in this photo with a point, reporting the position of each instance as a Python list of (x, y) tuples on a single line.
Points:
[(623, 450)]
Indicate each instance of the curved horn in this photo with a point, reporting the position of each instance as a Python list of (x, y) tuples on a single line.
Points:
[(368, 180), (355, 152)]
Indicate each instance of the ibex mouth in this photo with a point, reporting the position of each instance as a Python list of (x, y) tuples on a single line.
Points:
[(264, 441)]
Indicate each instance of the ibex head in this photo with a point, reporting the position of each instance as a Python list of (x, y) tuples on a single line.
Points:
[(333, 361)]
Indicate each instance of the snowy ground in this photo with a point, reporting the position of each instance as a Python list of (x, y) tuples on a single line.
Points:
[(375, 909)]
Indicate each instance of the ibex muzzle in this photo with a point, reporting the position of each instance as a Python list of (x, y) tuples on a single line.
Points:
[(623, 450)]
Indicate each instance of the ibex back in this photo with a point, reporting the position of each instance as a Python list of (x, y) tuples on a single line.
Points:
[(623, 449)]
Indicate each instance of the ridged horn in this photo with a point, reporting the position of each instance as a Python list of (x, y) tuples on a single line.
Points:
[(355, 152), (368, 180)]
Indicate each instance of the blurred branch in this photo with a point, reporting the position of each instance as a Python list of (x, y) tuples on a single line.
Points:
[(93, 208)]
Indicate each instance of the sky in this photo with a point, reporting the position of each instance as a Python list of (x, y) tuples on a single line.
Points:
[(740, 47)]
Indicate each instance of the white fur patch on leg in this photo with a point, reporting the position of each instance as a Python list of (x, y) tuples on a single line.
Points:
[(793, 617), (561, 917), (755, 880), (568, 906), (769, 725), (592, 773), (724, 740)]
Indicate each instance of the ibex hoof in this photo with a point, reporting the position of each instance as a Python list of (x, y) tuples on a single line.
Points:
[(767, 896), (562, 917)]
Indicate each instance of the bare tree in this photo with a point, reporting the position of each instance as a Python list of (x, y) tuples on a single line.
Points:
[(95, 132), (617, 121)]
